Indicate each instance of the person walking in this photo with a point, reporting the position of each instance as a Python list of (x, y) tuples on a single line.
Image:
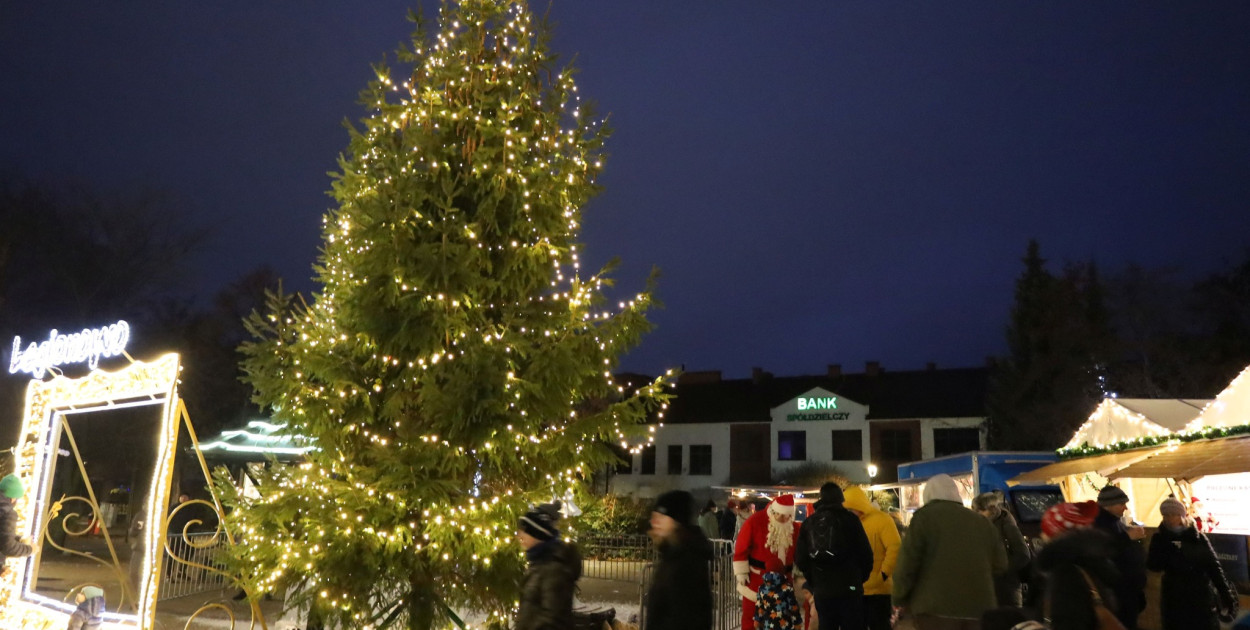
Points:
[(1195, 593), (1007, 585), (680, 597), (1127, 554), (884, 539), (834, 555), (729, 520), (709, 521), (1073, 575), (947, 563), (11, 546), (554, 568)]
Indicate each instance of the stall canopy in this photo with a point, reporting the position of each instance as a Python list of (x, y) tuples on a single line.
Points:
[(1104, 465), (1120, 419), (1231, 408), (1193, 460)]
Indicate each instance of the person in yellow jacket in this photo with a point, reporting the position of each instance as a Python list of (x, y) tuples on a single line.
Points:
[(884, 539)]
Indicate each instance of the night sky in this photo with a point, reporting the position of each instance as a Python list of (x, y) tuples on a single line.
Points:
[(819, 182)]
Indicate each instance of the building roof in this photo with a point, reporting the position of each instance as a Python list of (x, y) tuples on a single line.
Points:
[(704, 397)]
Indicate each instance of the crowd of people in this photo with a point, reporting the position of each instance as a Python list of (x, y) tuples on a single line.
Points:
[(846, 567)]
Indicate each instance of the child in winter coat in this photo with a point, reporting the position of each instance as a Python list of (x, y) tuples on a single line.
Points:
[(90, 606)]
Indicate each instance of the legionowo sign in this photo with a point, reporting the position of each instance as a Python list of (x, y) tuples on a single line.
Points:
[(86, 346)]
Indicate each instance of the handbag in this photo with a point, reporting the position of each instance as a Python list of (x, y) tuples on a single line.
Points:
[(1103, 615)]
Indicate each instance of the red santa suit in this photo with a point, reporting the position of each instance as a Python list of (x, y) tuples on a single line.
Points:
[(756, 554)]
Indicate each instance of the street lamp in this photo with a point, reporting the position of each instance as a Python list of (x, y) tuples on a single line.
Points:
[(872, 470)]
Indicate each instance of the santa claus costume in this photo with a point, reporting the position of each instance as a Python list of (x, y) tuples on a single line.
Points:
[(764, 545)]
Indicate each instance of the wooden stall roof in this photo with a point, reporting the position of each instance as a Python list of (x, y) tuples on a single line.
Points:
[(1105, 465), (1192, 460)]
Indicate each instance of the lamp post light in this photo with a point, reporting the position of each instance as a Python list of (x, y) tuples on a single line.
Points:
[(872, 470)]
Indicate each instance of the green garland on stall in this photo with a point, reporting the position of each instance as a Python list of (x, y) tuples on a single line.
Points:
[(1085, 450)]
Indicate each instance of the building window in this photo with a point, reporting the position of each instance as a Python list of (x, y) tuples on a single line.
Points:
[(792, 446), (674, 459), (648, 460), (896, 445), (848, 445), (700, 459), (955, 441)]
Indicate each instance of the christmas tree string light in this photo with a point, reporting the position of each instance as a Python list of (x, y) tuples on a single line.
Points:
[(455, 367)]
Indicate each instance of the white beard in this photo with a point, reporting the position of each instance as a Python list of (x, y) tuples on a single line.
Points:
[(780, 537)]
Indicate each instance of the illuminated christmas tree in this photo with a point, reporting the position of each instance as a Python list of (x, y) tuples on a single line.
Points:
[(454, 367)]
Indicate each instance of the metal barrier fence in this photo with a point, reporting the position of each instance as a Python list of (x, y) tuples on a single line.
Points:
[(179, 579), (631, 558)]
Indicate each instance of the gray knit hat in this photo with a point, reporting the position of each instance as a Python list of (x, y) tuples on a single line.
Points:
[(1111, 495), (1172, 507)]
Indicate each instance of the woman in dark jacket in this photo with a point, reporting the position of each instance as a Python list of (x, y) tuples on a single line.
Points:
[(680, 597), (1006, 584), (1194, 588), (554, 567)]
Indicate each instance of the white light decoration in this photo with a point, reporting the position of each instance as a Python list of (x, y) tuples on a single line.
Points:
[(86, 346), (140, 383)]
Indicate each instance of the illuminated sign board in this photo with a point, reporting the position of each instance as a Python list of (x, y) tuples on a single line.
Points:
[(820, 404), (86, 346)]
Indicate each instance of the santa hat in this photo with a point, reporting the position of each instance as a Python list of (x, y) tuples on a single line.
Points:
[(782, 505), (1063, 517)]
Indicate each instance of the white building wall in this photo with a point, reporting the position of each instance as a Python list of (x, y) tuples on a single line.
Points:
[(649, 486), (818, 443)]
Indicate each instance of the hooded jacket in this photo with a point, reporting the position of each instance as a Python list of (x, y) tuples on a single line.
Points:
[(947, 563), (547, 592), (882, 537), (87, 616), (680, 597)]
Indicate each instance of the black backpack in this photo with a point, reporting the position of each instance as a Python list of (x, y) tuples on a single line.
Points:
[(825, 544)]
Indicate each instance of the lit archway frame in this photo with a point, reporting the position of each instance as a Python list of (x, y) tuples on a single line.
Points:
[(154, 383)]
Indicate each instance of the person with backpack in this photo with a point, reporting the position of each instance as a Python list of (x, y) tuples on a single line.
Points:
[(835, 557), (1007, 585), (884, 538)]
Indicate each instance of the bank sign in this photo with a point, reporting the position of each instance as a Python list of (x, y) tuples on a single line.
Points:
[(818, 405)]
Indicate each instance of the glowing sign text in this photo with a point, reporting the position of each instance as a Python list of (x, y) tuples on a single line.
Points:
[(827, 402), (88, 346)]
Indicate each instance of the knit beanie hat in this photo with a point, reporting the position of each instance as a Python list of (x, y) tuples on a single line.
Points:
[(1063, 517), (540, 521), (677, 505), (1110, 496), (11, 487), (89, 592), (831, 493), (1172, 507)]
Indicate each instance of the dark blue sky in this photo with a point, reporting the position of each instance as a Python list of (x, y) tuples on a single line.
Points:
[(820, 182)]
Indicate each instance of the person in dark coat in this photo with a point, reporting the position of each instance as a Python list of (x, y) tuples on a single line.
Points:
[(554, 568), (680, 597), (1127, 554), (1074, 556), (10, 545), (1006, 584), (1195, 592), (836, 576), (729, 520)]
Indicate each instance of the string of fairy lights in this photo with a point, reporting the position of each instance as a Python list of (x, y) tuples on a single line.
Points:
[(477, 167), (1228, 415)]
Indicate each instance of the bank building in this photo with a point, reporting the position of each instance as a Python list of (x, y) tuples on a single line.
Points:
[(750, 431)]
